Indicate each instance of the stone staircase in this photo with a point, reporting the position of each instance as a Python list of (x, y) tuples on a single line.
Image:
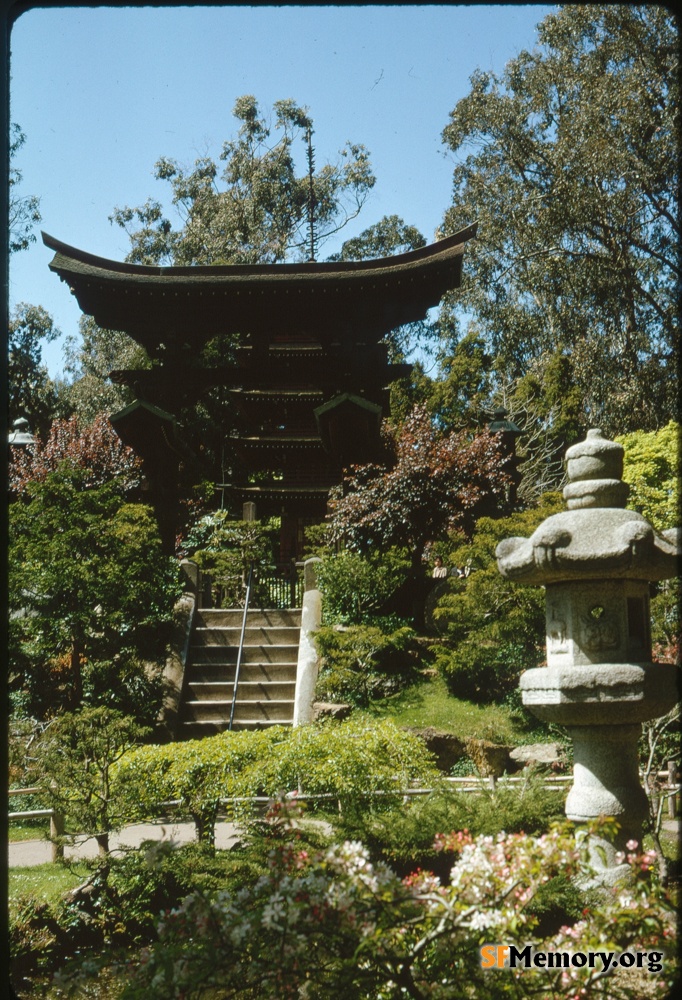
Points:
[(267, 677)]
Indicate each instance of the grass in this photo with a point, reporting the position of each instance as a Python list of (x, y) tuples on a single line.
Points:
[(19, 831), (429, 703), (46, 882)]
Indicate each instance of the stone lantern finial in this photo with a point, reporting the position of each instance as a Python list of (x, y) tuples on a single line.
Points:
[(595, 467)]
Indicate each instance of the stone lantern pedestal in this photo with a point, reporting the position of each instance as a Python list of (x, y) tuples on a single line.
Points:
[(596, 561)]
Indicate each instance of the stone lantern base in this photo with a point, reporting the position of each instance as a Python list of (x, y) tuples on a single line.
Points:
[(603, 707)]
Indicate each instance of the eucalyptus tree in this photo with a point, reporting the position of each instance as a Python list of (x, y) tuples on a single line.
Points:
[(260, 208), (24, 210), (569, 162)]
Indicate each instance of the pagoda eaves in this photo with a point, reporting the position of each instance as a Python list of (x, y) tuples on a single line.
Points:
[(175, 307)]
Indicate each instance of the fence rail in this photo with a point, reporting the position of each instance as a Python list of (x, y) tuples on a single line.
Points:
[(669, 789), (277, 586)]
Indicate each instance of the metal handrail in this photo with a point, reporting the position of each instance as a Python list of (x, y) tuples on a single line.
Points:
[(241, 647)]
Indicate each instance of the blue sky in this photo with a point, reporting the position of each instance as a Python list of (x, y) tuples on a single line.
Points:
[(102, 93)]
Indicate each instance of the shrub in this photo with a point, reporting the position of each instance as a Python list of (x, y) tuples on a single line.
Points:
[(361, 662), (225, 549), (346, 760), (91, 596), (354, 587), (331, 923), (76, 756), (483, 674), (340, 759), (494, 628), (404, 836), (197, 772)]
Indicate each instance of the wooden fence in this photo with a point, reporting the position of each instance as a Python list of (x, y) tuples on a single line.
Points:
[(668, 789)]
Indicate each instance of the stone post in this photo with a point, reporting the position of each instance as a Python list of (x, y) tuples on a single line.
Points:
[(308, 661)]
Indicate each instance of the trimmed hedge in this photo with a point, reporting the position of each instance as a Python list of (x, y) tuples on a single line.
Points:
[(341, 759)]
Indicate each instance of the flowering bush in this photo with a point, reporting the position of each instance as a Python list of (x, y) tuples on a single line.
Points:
[(330, 924)]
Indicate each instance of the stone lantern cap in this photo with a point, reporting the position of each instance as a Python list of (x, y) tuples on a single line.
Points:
[(595, 538)]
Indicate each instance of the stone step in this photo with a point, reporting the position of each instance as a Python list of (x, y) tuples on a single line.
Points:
[(193, 730), (267, 678), (250, 654), (257, 617), (263, 673), (259, 635), (248, 690), (245, 710)]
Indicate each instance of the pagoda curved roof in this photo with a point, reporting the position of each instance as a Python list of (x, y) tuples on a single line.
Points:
[(175, 306)]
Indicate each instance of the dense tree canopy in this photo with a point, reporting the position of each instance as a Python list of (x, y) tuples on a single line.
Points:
[(651, 468), (88, 363), (569, 162), (91, 596)]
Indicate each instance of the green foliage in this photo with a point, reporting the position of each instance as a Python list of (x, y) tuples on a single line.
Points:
[(460, 396), (388, 236), (359, 663), (559, 903), (91, 596), (89, 363), (569, 161), (346, 760), (355, 587), (651, 466), (31, 393), (404, 836), (24, 210), (342, 760), (225, 549), (494, 628), (318, 541), (73, 765), (56, 913), (256, 210), (484, 673)]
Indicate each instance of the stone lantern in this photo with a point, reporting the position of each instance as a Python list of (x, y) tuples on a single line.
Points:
[(596, 561)]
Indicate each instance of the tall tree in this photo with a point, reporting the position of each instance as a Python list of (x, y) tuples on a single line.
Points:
[(260, 208), (90, 361), (569, 162), (31, 392), (24, 210)]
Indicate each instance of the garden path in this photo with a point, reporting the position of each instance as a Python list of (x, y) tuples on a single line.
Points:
[(38, 852)]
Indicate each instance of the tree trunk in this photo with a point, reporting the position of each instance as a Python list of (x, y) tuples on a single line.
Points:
[(418, 587), (77, 673)]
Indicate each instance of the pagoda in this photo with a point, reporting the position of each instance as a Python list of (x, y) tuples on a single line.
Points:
[(300, 363)]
